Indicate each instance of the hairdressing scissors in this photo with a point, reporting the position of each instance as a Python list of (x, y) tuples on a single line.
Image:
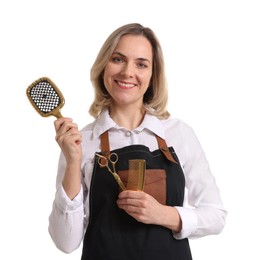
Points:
[(105, 161)]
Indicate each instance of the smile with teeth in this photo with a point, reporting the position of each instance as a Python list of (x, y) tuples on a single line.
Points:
[(126, 85)]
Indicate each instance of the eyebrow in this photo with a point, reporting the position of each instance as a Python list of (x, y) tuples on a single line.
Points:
[(122, 55)]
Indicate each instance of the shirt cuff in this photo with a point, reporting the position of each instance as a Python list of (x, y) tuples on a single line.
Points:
[(189, 222), (65, 204)]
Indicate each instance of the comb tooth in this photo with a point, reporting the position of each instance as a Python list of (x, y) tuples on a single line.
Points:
[(136, 174)]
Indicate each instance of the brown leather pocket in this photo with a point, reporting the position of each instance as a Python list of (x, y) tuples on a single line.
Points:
[(155, 183)]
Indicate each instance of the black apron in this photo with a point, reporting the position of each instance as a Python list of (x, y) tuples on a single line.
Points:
[(114, 235)]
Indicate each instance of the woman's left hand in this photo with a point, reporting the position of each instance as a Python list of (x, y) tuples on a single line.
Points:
[(140, 205), (146, 209)]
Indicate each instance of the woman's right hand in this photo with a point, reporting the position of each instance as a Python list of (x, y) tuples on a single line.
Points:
[(69, 139)]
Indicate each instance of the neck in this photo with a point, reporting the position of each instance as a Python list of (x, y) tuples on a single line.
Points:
[(130, 118)]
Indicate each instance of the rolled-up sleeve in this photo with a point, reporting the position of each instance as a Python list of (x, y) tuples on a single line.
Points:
[(66, 221)]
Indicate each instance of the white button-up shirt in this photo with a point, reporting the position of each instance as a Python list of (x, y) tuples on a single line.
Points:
[(202, 212)]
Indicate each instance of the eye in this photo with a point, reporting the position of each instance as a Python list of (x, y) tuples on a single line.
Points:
[(142, 65), (117, 59)]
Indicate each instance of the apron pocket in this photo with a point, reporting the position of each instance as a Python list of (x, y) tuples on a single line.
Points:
[(155, 183)]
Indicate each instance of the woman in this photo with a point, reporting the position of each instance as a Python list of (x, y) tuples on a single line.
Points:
[(132, 121)]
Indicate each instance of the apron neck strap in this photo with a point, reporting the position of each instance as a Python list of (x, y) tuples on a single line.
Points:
[(105, 148), (165, 149)]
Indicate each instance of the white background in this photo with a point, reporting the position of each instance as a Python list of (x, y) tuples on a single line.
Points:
[(210, 53)]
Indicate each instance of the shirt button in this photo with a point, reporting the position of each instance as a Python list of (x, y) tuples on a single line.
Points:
[(128, 134)]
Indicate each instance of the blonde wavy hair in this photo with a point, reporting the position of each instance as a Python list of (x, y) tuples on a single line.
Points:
[(156, 97)]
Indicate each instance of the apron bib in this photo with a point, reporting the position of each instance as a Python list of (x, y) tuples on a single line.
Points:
[(114, 235)]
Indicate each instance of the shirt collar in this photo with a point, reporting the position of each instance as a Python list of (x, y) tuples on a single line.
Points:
[(103, 123), (150, 122), (153, 124)]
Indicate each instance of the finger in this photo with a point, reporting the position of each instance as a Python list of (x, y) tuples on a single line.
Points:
[(59, 122), (76, 137), (67, 128), (131, 194), (70, 137), (130, 208)]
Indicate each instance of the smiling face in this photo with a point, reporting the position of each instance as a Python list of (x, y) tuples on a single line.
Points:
[(128, 72)]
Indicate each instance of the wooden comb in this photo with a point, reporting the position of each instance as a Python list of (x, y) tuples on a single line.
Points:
[(136, 175)]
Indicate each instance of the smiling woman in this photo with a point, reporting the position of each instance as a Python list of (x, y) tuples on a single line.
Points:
[(132, 123), (128, 73), (154, 100)]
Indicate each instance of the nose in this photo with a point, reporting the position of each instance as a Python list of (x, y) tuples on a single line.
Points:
[(127, 70)]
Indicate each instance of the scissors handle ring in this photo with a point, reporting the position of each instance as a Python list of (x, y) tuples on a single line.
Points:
[(113, 158), (102, 160)]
